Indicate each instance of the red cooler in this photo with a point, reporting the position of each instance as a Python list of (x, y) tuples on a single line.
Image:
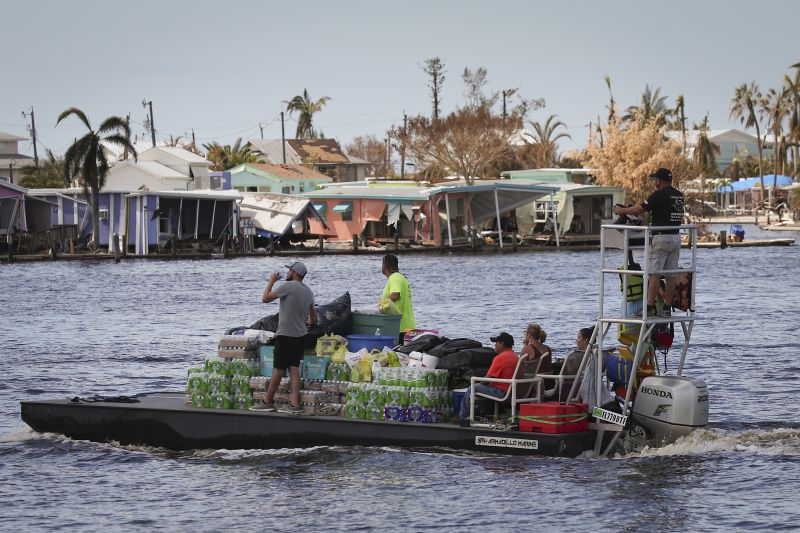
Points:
[(553, 417)]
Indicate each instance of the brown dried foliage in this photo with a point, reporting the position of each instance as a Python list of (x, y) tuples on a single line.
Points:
[(631, 153)]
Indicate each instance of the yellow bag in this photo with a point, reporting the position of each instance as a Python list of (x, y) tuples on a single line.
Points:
[(362, 371), (388, 307), (338, 354), (328, 344)]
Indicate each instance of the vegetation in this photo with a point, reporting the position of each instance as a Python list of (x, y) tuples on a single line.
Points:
[(652, 107), (48, 175), (631, 152), (743, 107), (370, 148), (545, 139), (225, 157), (86, 160), (306, 109)]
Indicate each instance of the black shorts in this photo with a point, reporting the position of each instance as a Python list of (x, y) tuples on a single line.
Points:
[(288, 351)]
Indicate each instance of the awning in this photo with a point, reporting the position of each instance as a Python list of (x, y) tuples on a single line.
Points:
[(198, 171), (320, 207), (343, 207)]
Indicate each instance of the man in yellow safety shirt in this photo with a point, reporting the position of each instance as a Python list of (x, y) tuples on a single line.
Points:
[(398, 290)]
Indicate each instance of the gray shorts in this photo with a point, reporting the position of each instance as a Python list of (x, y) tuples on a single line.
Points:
[(664, 252)]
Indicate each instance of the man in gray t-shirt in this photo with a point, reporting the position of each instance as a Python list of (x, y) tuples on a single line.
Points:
[(296, 310)]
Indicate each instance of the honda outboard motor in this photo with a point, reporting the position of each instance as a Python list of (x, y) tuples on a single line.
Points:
[(670, 407)]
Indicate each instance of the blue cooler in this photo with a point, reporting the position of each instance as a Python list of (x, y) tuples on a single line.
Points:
[(370, 342), (737, 232)]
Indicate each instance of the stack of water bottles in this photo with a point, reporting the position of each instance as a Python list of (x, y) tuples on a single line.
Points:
[(222, 383), (402, 394)]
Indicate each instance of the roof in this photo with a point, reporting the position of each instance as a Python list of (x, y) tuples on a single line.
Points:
[(154, 168), (58, 193), (11, 137), (276, 212), (290, 172), (748, 183), (200, 194), (182, 153), (713, 135), (273, 152), (323, 151)]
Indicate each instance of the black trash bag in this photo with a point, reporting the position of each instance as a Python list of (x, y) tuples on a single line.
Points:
[(335, 317), (268, 323), (453, 345), (423, 343), (469, 358), (460, 377)]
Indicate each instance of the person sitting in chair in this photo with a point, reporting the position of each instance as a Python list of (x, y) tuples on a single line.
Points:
[(503, 366), (533, 346)]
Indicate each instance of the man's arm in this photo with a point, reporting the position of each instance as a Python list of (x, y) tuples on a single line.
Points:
[(636, 210), (312, 316), (394, 296), (268, 295)]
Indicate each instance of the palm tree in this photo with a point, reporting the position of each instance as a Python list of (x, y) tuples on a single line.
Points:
[(743, 107), (544, 140), (680, 116), (306, 108), (48, 175), (652, 106), (612, 105), (775, 106), (86, 159), (705, 159), (792, 87), (225, 157)]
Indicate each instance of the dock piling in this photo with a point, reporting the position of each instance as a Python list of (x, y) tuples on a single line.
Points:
[(115, 245), (355, 244), (723, 239)]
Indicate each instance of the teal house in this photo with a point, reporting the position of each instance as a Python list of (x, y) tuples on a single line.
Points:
[(283, 179)]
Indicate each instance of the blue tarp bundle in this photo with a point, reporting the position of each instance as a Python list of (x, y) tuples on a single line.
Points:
[(749, 183)]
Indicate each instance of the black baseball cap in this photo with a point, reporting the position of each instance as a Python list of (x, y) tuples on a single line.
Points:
[(503, 337), (663, 174)]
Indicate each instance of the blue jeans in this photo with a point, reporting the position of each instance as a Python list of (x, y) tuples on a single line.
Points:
[(463, 412)]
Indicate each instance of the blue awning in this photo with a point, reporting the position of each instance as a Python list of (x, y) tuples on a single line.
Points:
[(748, 183), (343, 207)]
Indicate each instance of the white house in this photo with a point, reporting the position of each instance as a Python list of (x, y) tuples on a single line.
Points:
[(11, 161), (731, 142), (161, 168)]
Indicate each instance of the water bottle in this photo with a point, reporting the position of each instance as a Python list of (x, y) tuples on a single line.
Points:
[(377, 332)]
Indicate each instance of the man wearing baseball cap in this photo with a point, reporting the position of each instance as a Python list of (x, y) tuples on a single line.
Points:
[(667, 207), (503, 366), (296, 310)]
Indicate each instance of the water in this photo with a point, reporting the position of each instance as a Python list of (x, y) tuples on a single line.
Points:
[(83, 328)]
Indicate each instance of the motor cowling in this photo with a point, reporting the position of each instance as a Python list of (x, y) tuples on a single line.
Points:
[(670, 407)]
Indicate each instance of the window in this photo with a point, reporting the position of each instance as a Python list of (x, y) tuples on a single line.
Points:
[(286, 190), (345, 209), (251, 188), (264, 189), (240, 189), (302, 187)]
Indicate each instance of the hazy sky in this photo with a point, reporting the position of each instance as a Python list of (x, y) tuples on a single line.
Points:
[(224, 67)]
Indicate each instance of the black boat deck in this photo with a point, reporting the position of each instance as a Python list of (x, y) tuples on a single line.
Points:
[(163, 420)]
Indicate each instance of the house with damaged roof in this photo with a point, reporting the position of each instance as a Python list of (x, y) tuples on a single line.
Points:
[(323, 155)]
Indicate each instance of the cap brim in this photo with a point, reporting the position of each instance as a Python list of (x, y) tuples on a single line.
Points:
[(494, 339)]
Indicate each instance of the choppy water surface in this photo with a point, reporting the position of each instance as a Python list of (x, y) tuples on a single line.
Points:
[(84, 328)]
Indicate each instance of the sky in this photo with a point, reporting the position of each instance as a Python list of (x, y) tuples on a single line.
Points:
[(223, 68)]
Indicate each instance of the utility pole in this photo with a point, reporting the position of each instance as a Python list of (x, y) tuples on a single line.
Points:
[(283, 139), (388, 152), (194, 146), (145, 104), (403, 148), (32, 129), (261, 127)]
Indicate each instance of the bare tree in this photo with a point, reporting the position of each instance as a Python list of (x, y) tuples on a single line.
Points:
[(434, 67)]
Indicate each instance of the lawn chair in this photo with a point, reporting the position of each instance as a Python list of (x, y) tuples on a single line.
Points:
[(521, 384)]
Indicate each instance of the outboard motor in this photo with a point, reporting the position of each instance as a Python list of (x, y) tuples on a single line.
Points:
[(670, 407)]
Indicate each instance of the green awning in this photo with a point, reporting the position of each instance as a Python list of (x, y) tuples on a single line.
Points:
[(343, 207), (320, 207)]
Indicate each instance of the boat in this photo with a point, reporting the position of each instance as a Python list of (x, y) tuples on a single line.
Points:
[(662, 409)]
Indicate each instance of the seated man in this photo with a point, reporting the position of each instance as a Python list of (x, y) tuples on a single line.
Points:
[(573, 360), (503, 366)]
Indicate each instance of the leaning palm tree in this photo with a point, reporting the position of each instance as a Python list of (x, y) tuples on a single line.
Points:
[(86, 160), (545, 137), (775, 107), (743, 107), (306, 108)]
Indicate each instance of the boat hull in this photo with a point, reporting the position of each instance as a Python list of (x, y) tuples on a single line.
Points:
[(163, 420)]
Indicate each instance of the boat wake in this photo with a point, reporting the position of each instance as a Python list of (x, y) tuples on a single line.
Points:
[(778, 441)]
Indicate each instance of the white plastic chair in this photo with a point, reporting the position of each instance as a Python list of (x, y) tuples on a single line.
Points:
[(520, 385)]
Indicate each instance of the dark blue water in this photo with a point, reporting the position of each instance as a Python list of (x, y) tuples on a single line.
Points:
[(84, 328)]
